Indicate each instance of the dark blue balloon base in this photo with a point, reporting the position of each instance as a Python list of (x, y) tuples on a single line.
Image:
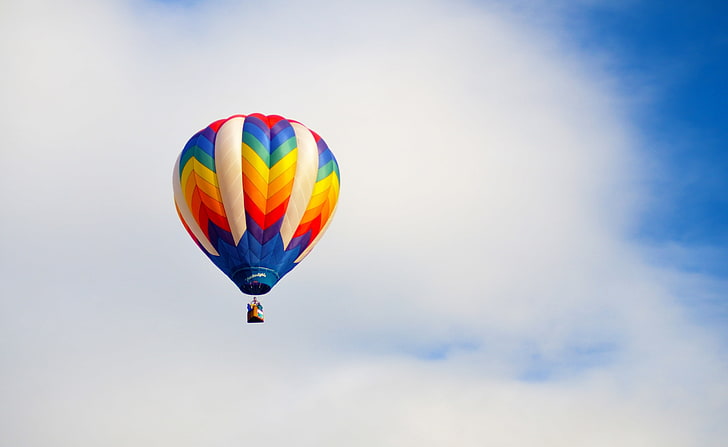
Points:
[(255, 280)]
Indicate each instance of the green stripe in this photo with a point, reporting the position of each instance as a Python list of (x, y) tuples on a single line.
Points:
[(201, 156), (257, 146), (186, 155), (325, 170), (282, 150)]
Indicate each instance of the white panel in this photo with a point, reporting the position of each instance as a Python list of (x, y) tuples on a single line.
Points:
[(303, 181), (184, 210), (229, 168)]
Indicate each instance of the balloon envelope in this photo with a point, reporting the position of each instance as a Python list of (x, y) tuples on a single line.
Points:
[(256, 193)]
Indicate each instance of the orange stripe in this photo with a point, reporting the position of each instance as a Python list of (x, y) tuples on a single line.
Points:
[(205, 203), (209, 189), (195, 181), (197, 211), (311, 213), (253, 193), (212, 204), (282, 180), (281, 196), (257, 178), (325, 212), (213, 209), (189, 189)]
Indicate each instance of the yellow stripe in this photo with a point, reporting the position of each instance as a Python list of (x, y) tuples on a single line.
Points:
[(184, 209), (280, 182), (208, 188), (324, 183), (256, 180), (284, 164), (200, 169), (256, 173), (333, 196), (186, 171), (312, 212), (319, 191), (194, 180), (255, 161), (335, 192), (206, 173), (318, 201)]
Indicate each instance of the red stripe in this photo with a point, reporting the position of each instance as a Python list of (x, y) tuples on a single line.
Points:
[(302, 229), (252, 210), (316, 227), (276, 214), (198, 211), (216, 125), (273, 120)]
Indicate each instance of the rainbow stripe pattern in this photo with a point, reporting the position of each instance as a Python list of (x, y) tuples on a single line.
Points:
[(256, 193)]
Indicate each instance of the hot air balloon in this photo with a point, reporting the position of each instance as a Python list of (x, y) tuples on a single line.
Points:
[(256, 193)]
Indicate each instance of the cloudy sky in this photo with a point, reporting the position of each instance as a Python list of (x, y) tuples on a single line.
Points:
[(530, 245)]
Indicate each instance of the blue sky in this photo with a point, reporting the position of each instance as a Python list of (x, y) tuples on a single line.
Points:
[(674, 54), (529, 248)]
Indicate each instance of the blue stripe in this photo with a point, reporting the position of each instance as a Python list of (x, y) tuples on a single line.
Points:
[(280, 133), (324, 158), (258, 129)]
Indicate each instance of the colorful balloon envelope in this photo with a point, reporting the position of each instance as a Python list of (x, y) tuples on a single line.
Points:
[(256, 193)]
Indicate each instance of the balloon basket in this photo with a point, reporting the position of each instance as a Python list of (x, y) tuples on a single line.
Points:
[(255, 315)]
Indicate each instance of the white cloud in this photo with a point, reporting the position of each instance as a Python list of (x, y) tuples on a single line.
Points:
[(477, 284)]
